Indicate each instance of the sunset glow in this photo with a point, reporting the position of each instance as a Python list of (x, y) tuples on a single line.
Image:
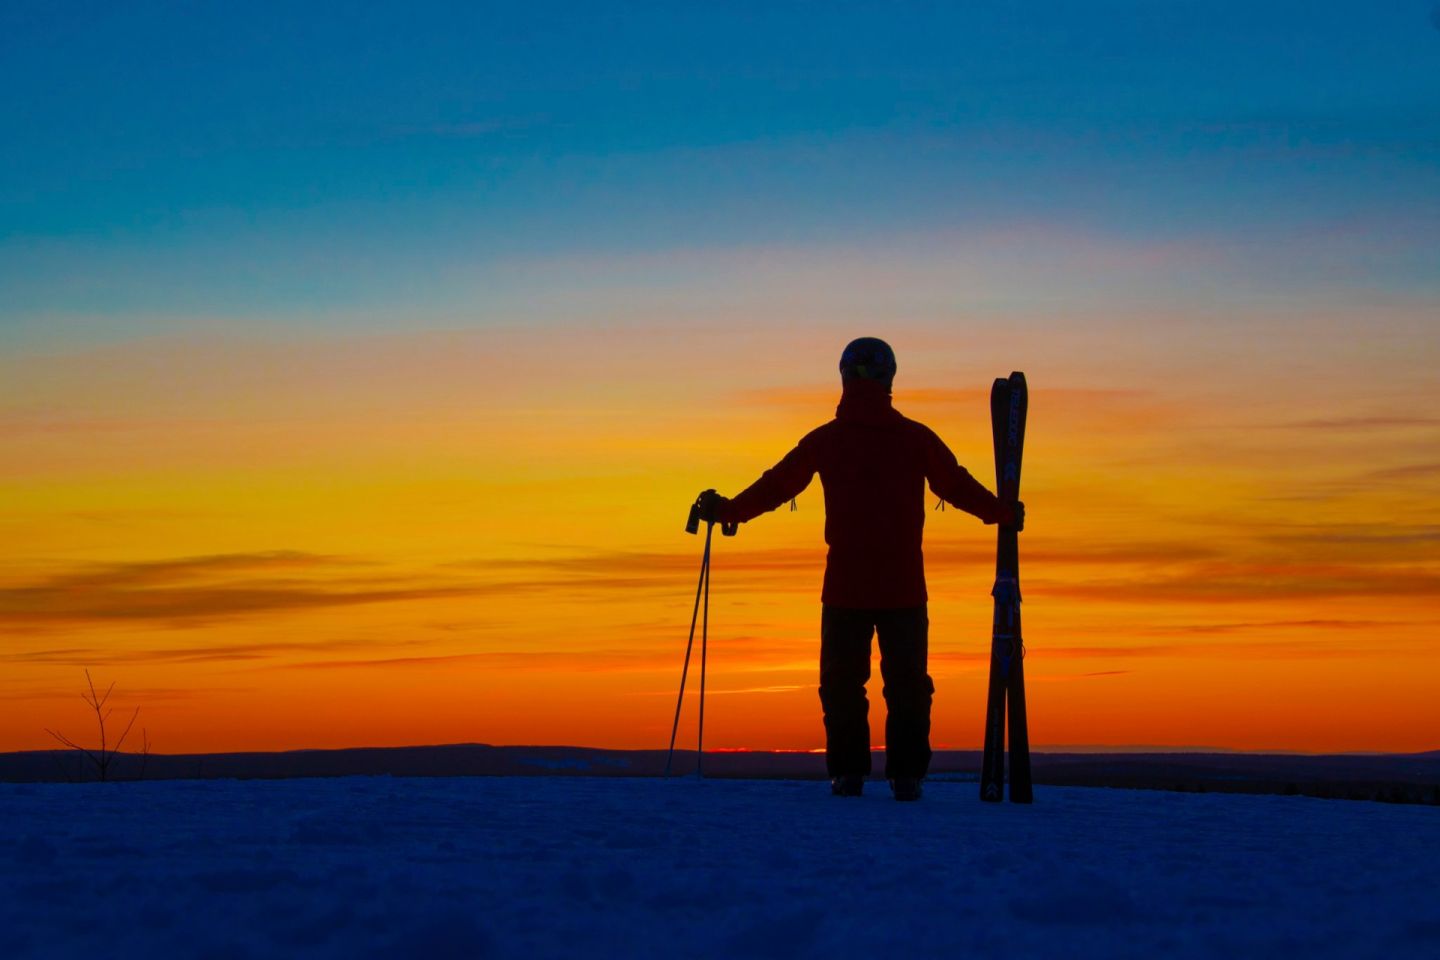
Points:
[(367, 431)]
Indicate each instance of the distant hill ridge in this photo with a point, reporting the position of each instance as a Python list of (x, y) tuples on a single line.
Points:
[(1392, 777)]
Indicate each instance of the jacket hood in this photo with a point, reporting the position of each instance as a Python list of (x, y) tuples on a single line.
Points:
[(866, 401)]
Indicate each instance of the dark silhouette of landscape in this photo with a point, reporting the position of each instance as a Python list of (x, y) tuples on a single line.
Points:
[(1394, 778)]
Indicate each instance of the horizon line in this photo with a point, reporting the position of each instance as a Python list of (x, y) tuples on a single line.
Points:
[(1096, 749)]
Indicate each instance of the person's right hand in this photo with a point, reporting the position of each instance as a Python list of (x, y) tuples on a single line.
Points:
[(710, 504), (1017, 516)]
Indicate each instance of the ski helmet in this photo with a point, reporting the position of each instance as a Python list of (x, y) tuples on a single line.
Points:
[(868, 358)]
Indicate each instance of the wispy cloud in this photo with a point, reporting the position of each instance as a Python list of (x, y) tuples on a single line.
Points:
[(1069, 677), (25, 423), (225, 587), (779, 688), (1413, 471), (664, 566), (1247, 626), (1375, 422), (210, 588), (1356, 534), (1345, 648), (1242, 582), (126, 695), (1363, 484), (193, 653), (537, 659)]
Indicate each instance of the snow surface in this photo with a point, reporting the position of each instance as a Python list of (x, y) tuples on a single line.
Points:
[(591, 866)]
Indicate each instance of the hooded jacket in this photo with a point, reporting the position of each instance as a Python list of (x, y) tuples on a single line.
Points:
[(874, 464)]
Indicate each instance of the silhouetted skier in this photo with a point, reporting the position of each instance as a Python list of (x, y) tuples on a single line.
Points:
[(873, 463)]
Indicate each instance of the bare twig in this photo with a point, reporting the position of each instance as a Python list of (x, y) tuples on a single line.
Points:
[(66, 741), (107, 753), (121, 742)]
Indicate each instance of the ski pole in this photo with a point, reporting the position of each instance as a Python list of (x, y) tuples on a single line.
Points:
[(701, 588), (704, 643)]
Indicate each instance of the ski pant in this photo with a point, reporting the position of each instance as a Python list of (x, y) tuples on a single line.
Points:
[(845, 667)]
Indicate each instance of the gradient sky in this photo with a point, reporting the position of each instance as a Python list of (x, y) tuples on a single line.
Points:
[(358, 363)]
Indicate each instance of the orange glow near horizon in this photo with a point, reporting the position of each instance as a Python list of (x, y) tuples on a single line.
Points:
[(387, 540)]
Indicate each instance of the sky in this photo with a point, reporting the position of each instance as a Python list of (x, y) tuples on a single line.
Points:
[(358, 363)]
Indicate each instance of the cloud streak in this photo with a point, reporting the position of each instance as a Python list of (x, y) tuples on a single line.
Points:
[(191, 653), (209, 588), (231, 587), (1247, 582), (1270, 649), (1378, 422), (609, 660), (666, 565), (1413, 471)]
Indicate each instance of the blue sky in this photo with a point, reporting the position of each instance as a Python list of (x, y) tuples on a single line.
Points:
[(273, 160)]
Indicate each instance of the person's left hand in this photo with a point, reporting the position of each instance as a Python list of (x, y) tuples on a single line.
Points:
[(1017, 516)]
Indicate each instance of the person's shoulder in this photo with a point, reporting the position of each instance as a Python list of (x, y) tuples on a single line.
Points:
[(917, 429), (819, 434)]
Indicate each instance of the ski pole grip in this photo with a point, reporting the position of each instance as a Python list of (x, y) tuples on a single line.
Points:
[(692, 525)]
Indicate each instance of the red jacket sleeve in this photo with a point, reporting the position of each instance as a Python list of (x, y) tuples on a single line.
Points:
[(952, 483), (780, 483)]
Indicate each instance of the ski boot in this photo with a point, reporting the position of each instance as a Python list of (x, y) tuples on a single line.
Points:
[(906, 788)]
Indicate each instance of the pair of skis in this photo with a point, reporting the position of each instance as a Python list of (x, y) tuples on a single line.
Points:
[(1008, 403)]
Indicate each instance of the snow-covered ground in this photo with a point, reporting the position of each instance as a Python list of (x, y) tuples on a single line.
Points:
[(437, 868)]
